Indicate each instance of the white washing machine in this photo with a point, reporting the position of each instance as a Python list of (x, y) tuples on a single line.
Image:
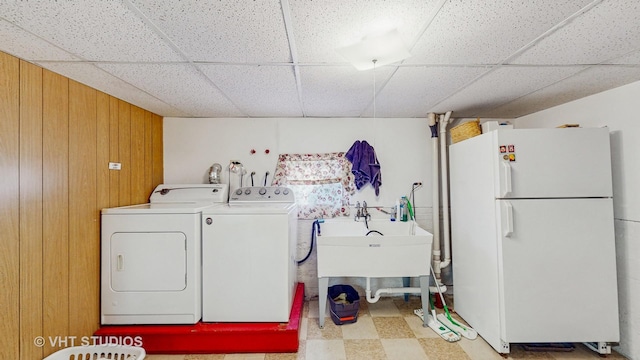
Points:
[(248, 255), (151, 256)]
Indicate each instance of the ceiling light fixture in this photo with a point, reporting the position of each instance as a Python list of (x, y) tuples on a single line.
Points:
[(386, 48)]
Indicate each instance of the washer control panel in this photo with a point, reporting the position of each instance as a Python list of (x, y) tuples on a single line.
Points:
[(262, 194)]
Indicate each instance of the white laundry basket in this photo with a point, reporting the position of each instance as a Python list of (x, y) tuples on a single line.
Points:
[(98, 352)]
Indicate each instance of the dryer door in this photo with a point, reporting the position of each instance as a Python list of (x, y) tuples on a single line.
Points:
[(148, 261)]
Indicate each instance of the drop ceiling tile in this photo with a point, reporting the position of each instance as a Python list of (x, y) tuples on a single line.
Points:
[(632, 58), (487, 32), (502, 85), (609, 30), (260, 91), (91, 30), (222, 31), (180, 85), (414, 90), (242, 46), (320, 27), (593, 80), (29, 47), (339, 91), (98, 79)]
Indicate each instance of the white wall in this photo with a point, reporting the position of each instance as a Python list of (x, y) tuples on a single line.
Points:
[(618, 109), (403, 147)]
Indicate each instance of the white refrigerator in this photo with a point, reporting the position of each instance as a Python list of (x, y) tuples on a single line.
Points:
[(533, 236)]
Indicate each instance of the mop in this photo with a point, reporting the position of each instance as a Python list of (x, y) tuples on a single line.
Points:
[(435, 325), (445, 326), (447, 321)]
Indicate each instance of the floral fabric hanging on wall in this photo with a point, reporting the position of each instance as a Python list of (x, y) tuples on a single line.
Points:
[(322, 183)]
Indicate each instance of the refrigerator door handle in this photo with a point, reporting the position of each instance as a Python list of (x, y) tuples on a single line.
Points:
[(507, 219), (507, 179)]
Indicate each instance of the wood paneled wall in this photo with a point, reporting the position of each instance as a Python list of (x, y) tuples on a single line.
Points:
[(57, 137)]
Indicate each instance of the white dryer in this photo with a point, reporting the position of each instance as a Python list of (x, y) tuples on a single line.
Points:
[(248, 254), (151, 261)]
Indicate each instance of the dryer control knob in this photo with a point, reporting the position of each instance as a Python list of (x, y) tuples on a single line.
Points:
[(239, 192), (277, 191), (262, 191), (247, 192), (285, 192)]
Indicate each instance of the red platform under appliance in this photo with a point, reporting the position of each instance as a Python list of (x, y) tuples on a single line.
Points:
[(210, 338)]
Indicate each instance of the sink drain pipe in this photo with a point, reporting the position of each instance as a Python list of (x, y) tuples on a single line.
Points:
[(400, 290)]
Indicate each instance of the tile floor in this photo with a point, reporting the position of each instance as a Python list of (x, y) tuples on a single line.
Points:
[(387, 329)]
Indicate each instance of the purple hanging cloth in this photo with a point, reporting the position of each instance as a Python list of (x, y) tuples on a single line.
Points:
[(364, 165)]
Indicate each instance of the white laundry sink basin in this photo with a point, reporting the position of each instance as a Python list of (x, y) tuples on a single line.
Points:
[(386, 249), (347, 248)]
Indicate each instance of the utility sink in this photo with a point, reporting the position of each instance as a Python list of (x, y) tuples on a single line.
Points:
[(384, 249), (375, 249)]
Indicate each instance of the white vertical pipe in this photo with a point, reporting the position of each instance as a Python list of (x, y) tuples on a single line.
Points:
[(444, 121), (435, 181)]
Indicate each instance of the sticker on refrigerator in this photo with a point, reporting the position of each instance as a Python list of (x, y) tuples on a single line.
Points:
[(508, 152)]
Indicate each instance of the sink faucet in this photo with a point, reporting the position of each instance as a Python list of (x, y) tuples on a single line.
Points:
[(365, 214), (362, 212)]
